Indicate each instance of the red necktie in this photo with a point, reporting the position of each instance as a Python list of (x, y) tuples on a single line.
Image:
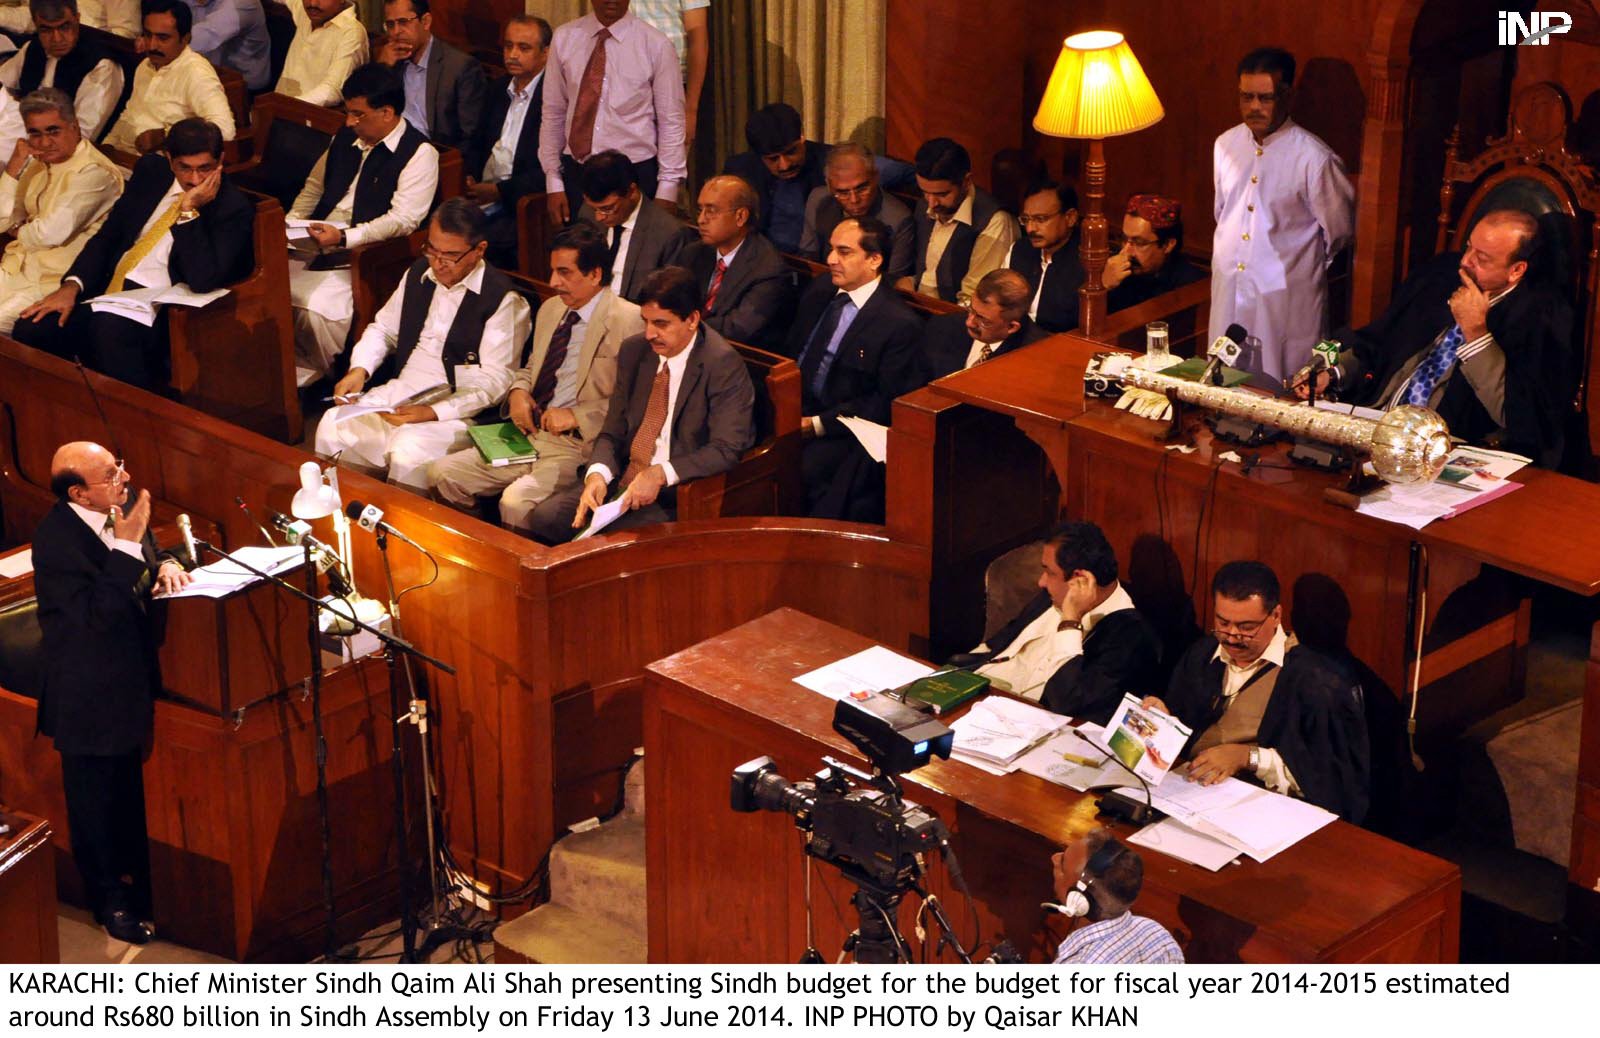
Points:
[(716, 283), (581, 137), (643, 447)]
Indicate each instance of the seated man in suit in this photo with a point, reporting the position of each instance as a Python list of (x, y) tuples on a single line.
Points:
[(853, 190), (1483, 337), (749, 290), (329, 43), (171, 83), (376, 181), (55, 194), (683, 408), (233, 34), (444, 86), (1264, 707), (1151, 261), (179, 221), (1080, 643), (640, 239), (857, 344), (508, 136), (560, 397), (963, 233), (784, 168), (1047, 254), (456, 328), (996, 322), (1107, 877), (62, 57), (95, 566)]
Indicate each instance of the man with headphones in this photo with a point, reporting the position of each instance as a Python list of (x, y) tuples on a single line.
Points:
[(1098, 878)]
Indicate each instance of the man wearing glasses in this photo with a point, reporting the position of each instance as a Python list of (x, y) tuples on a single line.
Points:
[(376, 181), (749, 294), (640, 239), (444, 86), (456, 328), (1047, 254), (1284, 210), (1265, 708), (63, 58), (95, 565), (853, 191), (1150, 260), (179, 221)]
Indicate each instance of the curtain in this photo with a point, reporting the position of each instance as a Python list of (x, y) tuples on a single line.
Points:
[(557, 11)]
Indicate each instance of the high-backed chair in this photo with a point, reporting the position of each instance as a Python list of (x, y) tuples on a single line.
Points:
[(287, 136), (533, 236)]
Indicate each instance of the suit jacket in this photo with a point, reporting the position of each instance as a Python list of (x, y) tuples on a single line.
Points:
[(98, 645), (946, 342), (756, 298), (657, 239), (527, 176), (612, 321), (713, 423), (209, 252), (455, 100), (879, 357)]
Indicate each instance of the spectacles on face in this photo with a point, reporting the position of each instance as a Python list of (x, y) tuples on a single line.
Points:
[(431, 252), (606, 210), (1247, 629), (1037, 220), (715, 211), (852, 193), (391, 24), (117, 476)]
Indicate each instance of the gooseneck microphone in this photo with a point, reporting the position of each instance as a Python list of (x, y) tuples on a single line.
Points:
[(1114, 804), (370, 518), (246, 510)]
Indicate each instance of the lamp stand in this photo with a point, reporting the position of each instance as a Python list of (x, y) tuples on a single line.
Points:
[(1092, 245)]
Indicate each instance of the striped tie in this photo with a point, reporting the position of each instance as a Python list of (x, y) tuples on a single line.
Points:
[(144, 246), (587, 106), (643, 447)]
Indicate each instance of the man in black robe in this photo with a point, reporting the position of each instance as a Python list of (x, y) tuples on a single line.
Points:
[(1263, 707)]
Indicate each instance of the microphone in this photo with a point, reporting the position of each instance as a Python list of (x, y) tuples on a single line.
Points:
[(370, 518), (246, 510), (295, 531), (298, 531), (185, 528), (1115, 805), (1051, 906), (1225, 349)]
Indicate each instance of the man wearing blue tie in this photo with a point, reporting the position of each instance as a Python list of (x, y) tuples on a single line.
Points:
[(857, 344), (1483, 337)]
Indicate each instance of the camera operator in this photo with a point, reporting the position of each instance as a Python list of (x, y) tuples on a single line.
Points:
[(1098, 878)]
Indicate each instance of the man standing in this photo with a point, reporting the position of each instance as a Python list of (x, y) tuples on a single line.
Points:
[(233, 34), (508, 136), (784, 168), (687, 25), (559, 399), (995, 323), (1047, 255), (852, 191), (1151, 261), (62, 58), (94, 566), (963, 233), (444, 86), (329, 43), (683, 409), (614, 84), (456, 327), (748, 287), (172, 83), (1284, 210)]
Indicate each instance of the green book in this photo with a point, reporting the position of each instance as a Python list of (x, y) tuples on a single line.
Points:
[(502, 444), (1190, 370), (946, 689)]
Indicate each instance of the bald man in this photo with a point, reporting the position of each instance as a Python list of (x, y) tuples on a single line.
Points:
[(748, 289), (94, 566)]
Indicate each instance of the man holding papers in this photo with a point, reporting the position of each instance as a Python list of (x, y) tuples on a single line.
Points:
[(559, 398), (455, 327), (1264, 707)]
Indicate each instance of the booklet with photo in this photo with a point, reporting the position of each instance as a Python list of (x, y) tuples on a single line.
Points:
[(1147, 741)]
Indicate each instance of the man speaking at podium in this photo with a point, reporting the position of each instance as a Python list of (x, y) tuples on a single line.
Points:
[(95, 565)]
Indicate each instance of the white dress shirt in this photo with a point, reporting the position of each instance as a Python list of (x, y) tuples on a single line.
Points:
[(184, 88), (477, 385), (97, 92), (321, 59), (153, 271), (1044, 647), (121, 17), (621, 262), (96, 521), (858, 298), (504, 153), (675, 366), (1270, 768), (566, 391), (413, 193), (989, 252)]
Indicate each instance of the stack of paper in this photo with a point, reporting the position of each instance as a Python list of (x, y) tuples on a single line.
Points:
[(1073, 758), (998, 731), (222, 578), (141, 304), (1472, 476), (872, 670), (1251, 820)]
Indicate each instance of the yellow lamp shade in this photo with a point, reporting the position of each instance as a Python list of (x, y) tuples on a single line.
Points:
[(1097, 90)]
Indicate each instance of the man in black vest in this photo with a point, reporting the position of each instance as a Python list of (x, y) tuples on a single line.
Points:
[(179, 221), (962, 234), (1048, 254), (94, 566), (376, 181), (1151, 261), (784, 168), (456, 329), (507, 147), (62, 57)]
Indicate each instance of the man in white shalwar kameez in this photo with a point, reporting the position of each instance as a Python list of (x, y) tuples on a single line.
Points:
[(1284, 209)]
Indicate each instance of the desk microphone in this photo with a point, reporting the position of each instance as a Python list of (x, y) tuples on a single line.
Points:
[(370, 518), (1225, 349), (1114, 804), (295, 531), (298, 531), (187, 529)]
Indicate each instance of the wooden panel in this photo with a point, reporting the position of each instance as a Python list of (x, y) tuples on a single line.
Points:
[(27, 891)]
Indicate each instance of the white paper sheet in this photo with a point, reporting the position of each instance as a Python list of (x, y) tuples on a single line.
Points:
[(1000, 730), (1269, 824), (603, 517), (871, 670), (1174, 839), (874, 438), (1067, 760), (222, 577), (141, 304), (18, 564)]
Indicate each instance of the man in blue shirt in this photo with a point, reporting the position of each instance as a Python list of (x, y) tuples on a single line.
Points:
[(1098, 878), (233, 34), (784, 168)]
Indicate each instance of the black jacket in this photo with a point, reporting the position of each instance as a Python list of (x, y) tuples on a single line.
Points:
[(209, 252), (946, 342), (1314, 720), (1141, 288), (748, 166), (755, 301), (879, 357), (527, 176)]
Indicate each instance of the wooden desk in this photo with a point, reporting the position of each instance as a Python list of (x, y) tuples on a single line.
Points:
[(27, 891), (726, 887)]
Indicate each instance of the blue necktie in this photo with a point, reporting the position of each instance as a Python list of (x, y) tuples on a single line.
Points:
[(1434, 367), (824, 344)]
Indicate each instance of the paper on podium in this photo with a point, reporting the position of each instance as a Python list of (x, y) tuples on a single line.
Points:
[(603, 517), (1174, 839), (224, 577), (18, 564), (141, 304), (871, 670), (874, 438)]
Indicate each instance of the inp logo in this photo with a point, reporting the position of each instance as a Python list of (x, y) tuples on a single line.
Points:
[(1535, 31)]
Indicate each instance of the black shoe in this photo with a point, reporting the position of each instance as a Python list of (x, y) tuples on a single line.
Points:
[(122, 926)]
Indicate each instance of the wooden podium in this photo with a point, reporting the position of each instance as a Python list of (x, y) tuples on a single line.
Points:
[(27, 891)]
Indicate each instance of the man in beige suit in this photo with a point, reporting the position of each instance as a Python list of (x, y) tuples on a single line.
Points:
[(560, 398)]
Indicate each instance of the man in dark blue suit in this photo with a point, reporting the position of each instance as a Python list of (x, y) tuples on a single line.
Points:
[(503, 162), (95, 566)]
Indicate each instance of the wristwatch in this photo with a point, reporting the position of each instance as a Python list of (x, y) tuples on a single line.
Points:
[(1255, 758), (1070, 625)]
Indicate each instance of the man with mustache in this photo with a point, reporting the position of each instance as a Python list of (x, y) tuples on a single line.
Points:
[(1151, 261), (329, 43), (172, 83), (853, 190), (1047, 254), (1480, 336), (962, 234)]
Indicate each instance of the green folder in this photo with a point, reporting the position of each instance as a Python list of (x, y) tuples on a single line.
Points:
[(1190, 370), (945, 690), (502, 444)]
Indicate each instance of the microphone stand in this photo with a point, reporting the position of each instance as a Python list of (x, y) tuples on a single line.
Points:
[(313, 634), (1114, 804)]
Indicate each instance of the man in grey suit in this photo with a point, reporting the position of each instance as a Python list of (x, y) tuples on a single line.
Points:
[(445, 87), (559, 398), (683, 408), (749, 288), (640, 239)]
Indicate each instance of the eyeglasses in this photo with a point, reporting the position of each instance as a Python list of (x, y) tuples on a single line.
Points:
[(429, 251), (606, 210), (116, 476), (391, 24), (718, 210), (1037, 220), (859, 191), (1248, 629), (1245, 97)]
